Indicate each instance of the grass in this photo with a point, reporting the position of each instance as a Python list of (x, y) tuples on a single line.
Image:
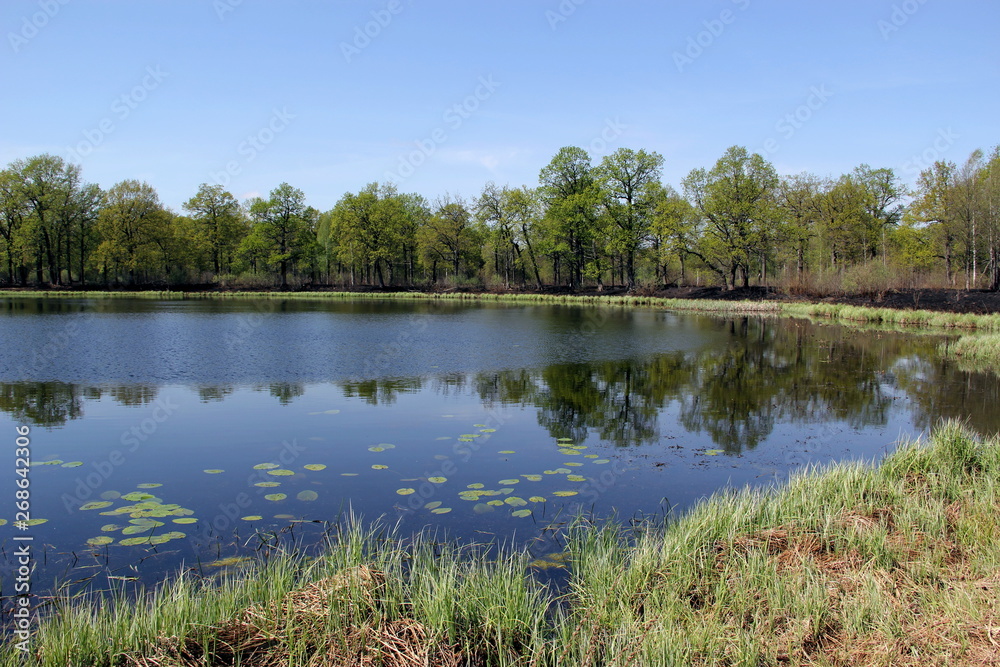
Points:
[(975, 352), (840, 312), (895, 564)]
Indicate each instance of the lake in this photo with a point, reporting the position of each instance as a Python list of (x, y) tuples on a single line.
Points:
[(195, 432)]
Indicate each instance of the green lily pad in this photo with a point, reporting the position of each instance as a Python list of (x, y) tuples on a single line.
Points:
[(53, 462), (714, 452), (135, 530), (35, 522), (564, 494), (280, 472), (284, 516), (482, 508), (495, 503), (564, 440), (109, 527), (569, 452), (308, 495), (590, 456), (508, 482), (148, 485), (432, 505), (506, 451), (147, 522), (441, 510), (133, 541), (521, 513), (137, 496), (573, 464), (376, 448), (267, 485), (563, 471), (480, 425), (379, 466), (72, 464), (226, 562), (252, 517), (213, 471), (469, 495), (487, 430), (537, 499), (275, 496), (532, 478), (576, 478), (476, 485), (266, 466), (506, 490), (110, 495), (315, 466), (100, 541), (602, 461), (3, 522), (437, 480), (514, 501), (405, 492), (186, 519), (349, 474), (96, 505), (550, 472)]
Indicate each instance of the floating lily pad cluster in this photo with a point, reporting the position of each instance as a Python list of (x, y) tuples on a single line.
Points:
[(139, 517)]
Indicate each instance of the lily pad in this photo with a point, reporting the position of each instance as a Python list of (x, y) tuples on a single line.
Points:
[(432, 505), (96, 505), (441, 510), (136, 530), (537, 499), (147, 522), (506, 451), (376, 448), (266, 466), (437, 480), (573, 464), (315, 466), (349, 474), (569, 452), (148, 485), (379, 466), (564, 494), (405, 492), (252, 517), (72, 464), (482, 508), (532, 478), (495, 503), (186, 519), (565, 440), (514, 501), (480, 425), (521, 513), (508, 482), (137, 496), (308, 495), (133, 541), (475, 485), (100, 541), (590, 456), (109, 527), (35, 522), (280, 472), (487, 430), (469, 495), (576, 478), (54, 462), (563, 471), (275, 496), (714, 452), (213, 471), (110, 495), (602, 461), (267, 485), (225, 562)]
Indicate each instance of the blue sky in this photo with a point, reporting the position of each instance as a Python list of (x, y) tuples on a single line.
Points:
[(443, 97)]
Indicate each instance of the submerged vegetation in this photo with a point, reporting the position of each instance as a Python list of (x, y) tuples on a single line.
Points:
[(852, 564)]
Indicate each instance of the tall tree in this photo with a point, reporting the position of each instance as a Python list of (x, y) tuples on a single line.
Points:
[(283, 227), (628, 179), (131, 224), (737, 201), (572, 195), (219, 223)]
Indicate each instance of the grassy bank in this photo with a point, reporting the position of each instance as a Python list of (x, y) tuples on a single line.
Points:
[(841, 312), (854, 564), (976, 351)]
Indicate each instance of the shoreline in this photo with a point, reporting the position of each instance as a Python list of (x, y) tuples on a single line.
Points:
[(895, 563)]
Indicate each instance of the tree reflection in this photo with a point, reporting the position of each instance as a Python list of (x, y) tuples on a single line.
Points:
[(766, 372)]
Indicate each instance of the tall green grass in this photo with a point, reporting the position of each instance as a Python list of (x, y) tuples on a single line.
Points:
[(853, 564)]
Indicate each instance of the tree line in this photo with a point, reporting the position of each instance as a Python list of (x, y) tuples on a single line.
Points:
[(583, 225)]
